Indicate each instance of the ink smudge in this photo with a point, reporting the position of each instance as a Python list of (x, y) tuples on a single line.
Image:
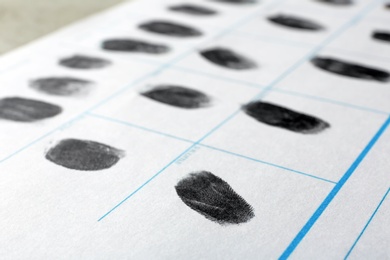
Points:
[(213, 198), (337, 2), (26, 110), (350, 69), (84, 62), (61, 86), (295, 22), (228, 59), (381, 35), (170, 29), (178, 96), (131, 45), (193, 9), (236, 1), (277, 116), (84, 155)]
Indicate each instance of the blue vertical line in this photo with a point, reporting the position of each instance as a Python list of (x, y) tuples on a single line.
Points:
[(309, 224), (368, 223), (147, 182)]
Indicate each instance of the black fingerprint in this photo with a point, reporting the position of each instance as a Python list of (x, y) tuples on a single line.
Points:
[(131, 45), (193, 9), (84, 155), (295, 22), (61, 86), (84, 62), (228, 59), (337, 2), (236, 1), (178, 96), (277, 116), (351, 69), (170, 29), (26, 110), (212, 197), (381, 35)]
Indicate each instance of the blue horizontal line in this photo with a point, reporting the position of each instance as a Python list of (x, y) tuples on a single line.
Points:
[(214, 76), (139, 127), (268, 163), (275, 39), (206, 146), (326, 100), (40, 138)]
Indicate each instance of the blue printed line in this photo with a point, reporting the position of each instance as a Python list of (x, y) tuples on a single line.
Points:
[(149, 180), (313, 219), (362, 54), (15, 65), (331, 101), (268, 163), (204, 145), (275, 39), (40, 138), (368, 223), (138, 126), (218, 77)]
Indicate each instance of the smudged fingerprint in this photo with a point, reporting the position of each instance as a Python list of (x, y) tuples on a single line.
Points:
[(381, 35), (352, 70), (236, 1), (61, 86), (178, 96), (26, 110), (213, 198), (193, 9), (131, 45), (337, 2), (84, 62), (170, 29), (295, 22), (228, 59), (277, 116), (84, 155)]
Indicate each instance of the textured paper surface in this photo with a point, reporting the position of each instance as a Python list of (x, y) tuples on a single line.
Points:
[(315, 194)]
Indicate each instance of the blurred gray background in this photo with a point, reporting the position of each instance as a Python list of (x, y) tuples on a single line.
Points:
[(22, 21)]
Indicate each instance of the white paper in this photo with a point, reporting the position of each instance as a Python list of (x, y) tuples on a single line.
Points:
[(314, 196)]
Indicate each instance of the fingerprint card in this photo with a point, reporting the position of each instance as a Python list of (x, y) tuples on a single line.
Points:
[(213, 129)]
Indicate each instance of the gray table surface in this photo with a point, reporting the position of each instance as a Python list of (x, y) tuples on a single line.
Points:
[(22, 21)]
